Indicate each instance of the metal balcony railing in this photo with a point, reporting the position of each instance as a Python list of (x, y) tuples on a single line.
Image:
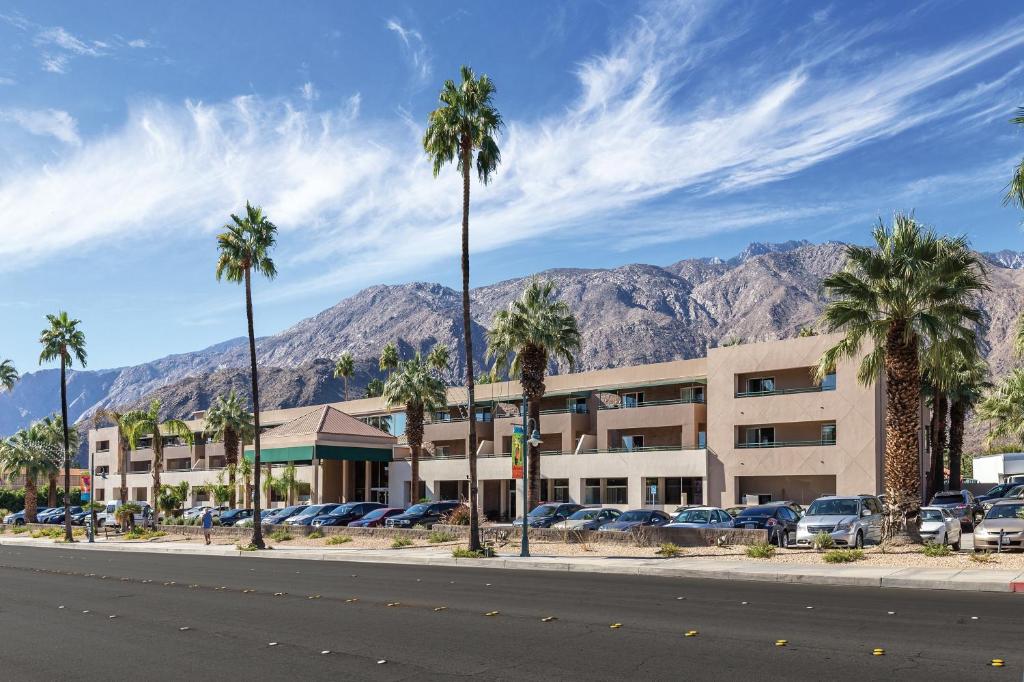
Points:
[(652, 403), (788, 444), (784, 391)]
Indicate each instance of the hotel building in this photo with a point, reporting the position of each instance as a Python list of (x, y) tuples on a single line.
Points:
[(746, 422)]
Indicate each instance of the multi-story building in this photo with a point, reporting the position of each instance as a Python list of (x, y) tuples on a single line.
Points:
[(747, 420)]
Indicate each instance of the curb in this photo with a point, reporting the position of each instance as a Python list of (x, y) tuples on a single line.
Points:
[(897, 578)]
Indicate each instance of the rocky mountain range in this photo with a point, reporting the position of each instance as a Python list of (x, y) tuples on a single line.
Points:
[(628, 315)]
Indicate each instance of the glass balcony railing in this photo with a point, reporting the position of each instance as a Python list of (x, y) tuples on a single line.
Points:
[(784, 391), (686, 400), (788, 443)]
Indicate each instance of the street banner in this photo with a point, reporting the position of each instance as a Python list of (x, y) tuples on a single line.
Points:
[(517, 451)]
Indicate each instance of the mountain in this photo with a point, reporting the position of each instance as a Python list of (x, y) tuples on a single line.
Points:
[(631, 314)]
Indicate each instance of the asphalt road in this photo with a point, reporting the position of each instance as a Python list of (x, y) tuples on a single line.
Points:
[(65, 614)]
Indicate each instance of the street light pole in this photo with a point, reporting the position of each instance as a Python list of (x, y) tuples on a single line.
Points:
[(92, 495), (524, 545)]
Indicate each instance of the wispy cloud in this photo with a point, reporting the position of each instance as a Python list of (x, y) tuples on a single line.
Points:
[(309, 92), (58, 36), (59, 46), (415, 49), (53, 122), (4, 80), (55, 63)]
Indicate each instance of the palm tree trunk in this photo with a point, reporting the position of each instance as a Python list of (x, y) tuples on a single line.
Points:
[(123, 452), (257, 527), (51, 492), (957, 417), (467, 332), (939, 405), (414, 433), (902, 455), (68, 536), (158, 460), (231, 458), (345, 379), (31, 502), (533, 458)]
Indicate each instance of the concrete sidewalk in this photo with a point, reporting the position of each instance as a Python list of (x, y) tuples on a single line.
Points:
[(972, 580)]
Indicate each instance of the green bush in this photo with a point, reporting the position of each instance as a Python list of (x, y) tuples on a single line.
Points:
[(143, 534), (463, 553), (669, 549), (338, 539), (4, 512), (936, 549), (822, 541), (316, 534), (441, 536), (18, 530), (280, 536), (761, 550), (457, 517), (842, 556), (401, 542)]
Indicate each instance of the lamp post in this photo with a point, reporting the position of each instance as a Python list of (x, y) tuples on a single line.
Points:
[(531, 440), (92, 495)]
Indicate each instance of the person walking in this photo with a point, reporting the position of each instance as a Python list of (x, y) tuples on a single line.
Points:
[(207, 524)]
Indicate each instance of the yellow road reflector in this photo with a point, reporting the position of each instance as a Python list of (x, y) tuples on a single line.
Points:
[(547, 619), (615, 626), (878, 652), (691, 633), (441, 608), (781, 642), (491, 613), (997, 663)]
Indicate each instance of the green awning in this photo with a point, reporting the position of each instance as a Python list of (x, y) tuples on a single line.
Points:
[(306, 453)]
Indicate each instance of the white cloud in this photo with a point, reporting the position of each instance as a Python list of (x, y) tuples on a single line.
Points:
[(309, 92), (415, 50), (59, 124), (7, 81), (59, 36), (55, 63), (138, 43)]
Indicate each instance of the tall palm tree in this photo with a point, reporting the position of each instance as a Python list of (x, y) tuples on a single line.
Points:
[(969, 381), (245, 471), (28, 454), (229, 421), (245, 246), (51, 430), (466, 122), (8, 375), (63, 340), (344, 368), (911, 289), (439, 357), (288, 483), (1015, 188), (389, 358), (374, 388), (1003, 408), (415, 387), (523, 339), (149, 423), (117, 418)]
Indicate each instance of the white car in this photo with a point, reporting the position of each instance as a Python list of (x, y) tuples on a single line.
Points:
[(108, 516), (939, 525)]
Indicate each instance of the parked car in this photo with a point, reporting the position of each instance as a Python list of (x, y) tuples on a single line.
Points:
[(192, 512), (778, 519), (282, 515), (588, 518), (547, 513), (732, 511), (346, 514), (310, 513), (18, 518), (108, 517), (963, 505), (1015, 492), (851, 521), (702, 517), (57, 515), (233, 516), (264, 514), (43, 515), (939, 524), (996, 492), (376, 517), (425, 514), (78, 519), (1003, 526), (635, 518)]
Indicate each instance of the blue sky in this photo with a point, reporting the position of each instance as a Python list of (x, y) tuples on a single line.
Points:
[(643, 132)]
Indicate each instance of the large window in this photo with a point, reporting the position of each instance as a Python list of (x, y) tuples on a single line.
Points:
[(760, 384), (616, 491), (103, 446), (560, 490), (592, 491), (829, 382), (684, 491), (103, 471), (760, 435), (693, 394), (828, 433), (634, 399), (577, 405), (652, 491), (632, 443)]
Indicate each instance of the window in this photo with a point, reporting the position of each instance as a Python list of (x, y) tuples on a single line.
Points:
[(592, 491), (632, 443), (103, 471), (632, 399), (722, 516), (144, 443), (693, 394), (101, 495), (103, 446), (828, 434), (484, 415), (171, 441), (829, 382), (702, 436), (139, 467), (442, 416), (560, 490), (441, 451), (616, 491), (760, 384), (760, 435), (577, 405), (651, 491)]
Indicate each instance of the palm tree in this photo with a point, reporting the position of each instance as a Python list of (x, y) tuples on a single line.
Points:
[(523, 339), (8, 375), (969, 381), (415, 387), (1015, 188), (1004, 409), (27, 454), (229, 421), (270, 484), (911, 289), (344, 368), (389, 358), (374, 388), (288, 483), (123, 449), (63, 340), (148, 423), (935, 383), (466, 122), (244, 246), (245, 471), (51, 430)]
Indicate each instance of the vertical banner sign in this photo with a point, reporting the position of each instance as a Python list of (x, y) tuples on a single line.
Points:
[(86, 488), (517, 451)]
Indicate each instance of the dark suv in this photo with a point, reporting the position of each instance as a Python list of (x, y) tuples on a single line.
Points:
[(547, 513), (962, 503), (425, 514), (346, 513)]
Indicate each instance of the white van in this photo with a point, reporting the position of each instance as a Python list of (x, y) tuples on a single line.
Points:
[(108, 517)]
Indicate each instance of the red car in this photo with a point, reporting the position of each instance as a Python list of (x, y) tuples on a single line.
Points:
[(375, 519)]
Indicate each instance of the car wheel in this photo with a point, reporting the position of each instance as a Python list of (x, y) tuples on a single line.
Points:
[(945, 539), (956, 545), (785, 539), (19, 522), (859, 541)]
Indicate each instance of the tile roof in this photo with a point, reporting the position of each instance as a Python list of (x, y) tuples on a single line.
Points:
[(326, 420)]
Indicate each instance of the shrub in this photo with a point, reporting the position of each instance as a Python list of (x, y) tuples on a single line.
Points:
[(441, 536), (669, 549), (246, 524), (823, 540), (4, 512), (18, 530), (280, 536), (982, 558), (419, 526), (143, 534), (338, 539), (401, 542), (761, 550), (936, 549), (842, 556), (315, 534), (247, 548), (3, 529), (457, 517), (463, 553)]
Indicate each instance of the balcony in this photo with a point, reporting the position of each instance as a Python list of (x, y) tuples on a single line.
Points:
[(786, 444), (784, 391), (695, 399)]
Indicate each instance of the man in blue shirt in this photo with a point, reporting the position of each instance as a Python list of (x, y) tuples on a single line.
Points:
[(207, 524)]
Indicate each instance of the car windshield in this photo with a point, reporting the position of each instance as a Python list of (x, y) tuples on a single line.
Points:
[(544, 510), (1006, 511), (1015, 492), (417, 509), (931, 515), (833, 508), (342, 510), (693, 516), (758, 511), (634, 516), (375, 514), (316, 509), (584, 515), (947, 498), (997, 491)]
